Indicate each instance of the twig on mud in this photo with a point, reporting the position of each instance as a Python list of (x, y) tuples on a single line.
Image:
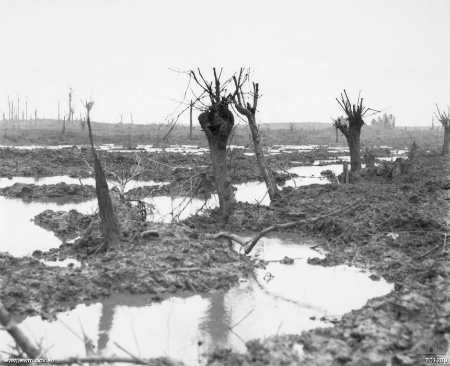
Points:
[(431, 250), (327, 319), (191, 286), (444, 244), (249, 244), (315, 248), (354, 258), (97, 248)]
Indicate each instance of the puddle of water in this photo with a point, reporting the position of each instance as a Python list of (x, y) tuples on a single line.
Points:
[(168, 208), (33, 147), (338, 149), (19, 236), (252, 192), (64, 263), (333, 290), (253, 309), (311, 174), (295, 147)]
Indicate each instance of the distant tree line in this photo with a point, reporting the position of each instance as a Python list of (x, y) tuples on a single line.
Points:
[(385, 121)]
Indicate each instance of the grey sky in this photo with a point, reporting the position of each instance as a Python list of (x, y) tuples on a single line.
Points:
[(303, 54)]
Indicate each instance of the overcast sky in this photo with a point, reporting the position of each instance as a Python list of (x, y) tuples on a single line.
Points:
[(302, 53)]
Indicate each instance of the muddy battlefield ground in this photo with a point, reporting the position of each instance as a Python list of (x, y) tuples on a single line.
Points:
[(398, 231)]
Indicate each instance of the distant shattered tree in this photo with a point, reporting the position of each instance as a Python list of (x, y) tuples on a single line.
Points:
[(444, 118), (71, 109), (109, 226), (350, 127), (249, 111), (217, 122), (62, 135)]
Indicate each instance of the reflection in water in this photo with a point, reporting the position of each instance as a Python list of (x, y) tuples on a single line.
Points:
[(186, 327), (216, 322), (106, 322), (167, 209)]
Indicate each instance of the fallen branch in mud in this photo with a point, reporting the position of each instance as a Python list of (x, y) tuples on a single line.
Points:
[(435, 248), (92, 359), (21, 339), (249, 244), (430, 251)]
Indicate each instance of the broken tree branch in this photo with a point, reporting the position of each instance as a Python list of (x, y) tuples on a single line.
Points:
[(21, 339), (249, 244), (97, 359)]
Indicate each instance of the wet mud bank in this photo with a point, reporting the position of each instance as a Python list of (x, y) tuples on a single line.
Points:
[(49, 191), (399, 231), (161, 259), (162, 166)]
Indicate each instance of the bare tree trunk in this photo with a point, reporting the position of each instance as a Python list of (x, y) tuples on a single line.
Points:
[(217, 123), (109, 226), (63, 130), (70, 104), (250, 112), (266, 171), (351, 127), (446, 145), (354, 144), (190, 120), (345, 175)]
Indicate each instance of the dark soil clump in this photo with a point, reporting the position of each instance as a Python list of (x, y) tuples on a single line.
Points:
[(39, 192), (63, 223)]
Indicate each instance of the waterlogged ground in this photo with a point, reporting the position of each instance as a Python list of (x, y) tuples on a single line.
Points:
[(280, 299), (22, 236), (193, 292)]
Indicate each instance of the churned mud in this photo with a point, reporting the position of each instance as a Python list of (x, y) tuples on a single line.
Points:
[(399, 231), (49, 191), (161, 259), (162, 166)]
